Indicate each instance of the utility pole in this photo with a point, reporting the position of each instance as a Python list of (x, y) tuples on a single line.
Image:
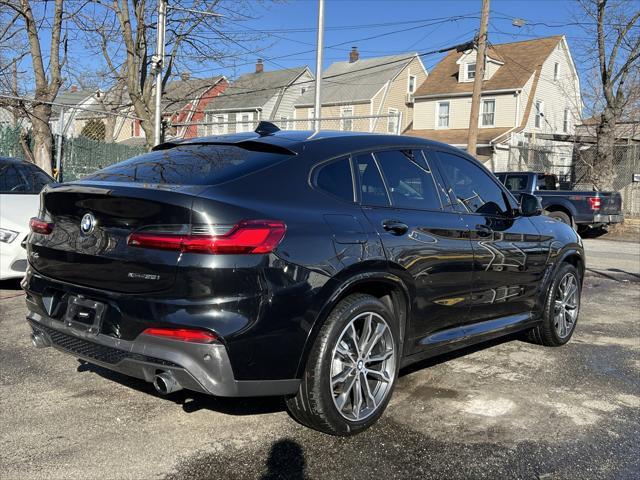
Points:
[(317, 107), (472, 139), (158, 62), (14, 87)]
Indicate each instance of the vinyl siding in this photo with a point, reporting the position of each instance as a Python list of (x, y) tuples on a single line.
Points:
[(332, 111), (556, 95), (397, 94), (460, 111), (293, 93)]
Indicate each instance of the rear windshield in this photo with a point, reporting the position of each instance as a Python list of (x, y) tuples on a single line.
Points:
[(189, 165)]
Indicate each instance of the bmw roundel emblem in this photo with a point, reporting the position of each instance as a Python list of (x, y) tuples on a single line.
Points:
[(88, 223)]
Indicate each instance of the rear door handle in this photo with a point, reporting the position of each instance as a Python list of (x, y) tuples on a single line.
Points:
[(395, 227), (483, 230)]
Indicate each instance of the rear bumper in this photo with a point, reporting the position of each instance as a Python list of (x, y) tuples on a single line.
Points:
[(608, 219), (203, 368)]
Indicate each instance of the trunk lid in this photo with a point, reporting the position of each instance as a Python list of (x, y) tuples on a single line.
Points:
[(99, 256), (611, 203)]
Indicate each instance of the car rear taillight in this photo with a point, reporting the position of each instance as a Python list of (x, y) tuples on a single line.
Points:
[(246, 237), (595, 203), (182, 334), (40, 226)]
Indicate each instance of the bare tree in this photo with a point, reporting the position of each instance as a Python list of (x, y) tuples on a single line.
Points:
[(614, 27), (47, 81), (123, 32)]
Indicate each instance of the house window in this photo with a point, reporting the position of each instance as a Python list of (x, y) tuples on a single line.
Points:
[(284, 122), (246, 122), (312, 114), (471, 71), (539, 113), (215, 124), (412, 84), (346, 124), (443, 114), (488, 113), (556, 71), (565, 121), (392, 121)]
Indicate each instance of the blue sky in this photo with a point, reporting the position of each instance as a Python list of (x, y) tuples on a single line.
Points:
[(376, 27), (424, 30)]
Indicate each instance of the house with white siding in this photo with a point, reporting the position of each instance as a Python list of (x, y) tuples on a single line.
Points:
[(261, 95), (530, 95), (378, 90)]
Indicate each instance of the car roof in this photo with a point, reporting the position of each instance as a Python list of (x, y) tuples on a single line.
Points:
[(298, 141), (11, 160)]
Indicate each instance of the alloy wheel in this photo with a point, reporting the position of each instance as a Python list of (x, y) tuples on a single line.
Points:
[(363, 366), (566, 305)]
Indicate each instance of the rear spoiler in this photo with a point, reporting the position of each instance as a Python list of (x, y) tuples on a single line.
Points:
[(253, 145)]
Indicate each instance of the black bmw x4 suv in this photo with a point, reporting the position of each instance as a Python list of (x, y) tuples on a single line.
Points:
[(312, 266)]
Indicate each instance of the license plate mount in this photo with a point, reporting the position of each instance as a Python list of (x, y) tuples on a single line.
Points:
[(84, 314)]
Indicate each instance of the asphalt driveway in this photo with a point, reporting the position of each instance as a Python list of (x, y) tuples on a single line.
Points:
[(508, 409)]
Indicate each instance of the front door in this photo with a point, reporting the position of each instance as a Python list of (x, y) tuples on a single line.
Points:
[(428, 244), (510, 256)]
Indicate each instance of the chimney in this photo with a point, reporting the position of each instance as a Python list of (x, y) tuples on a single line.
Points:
[(73, 89), (354, 55), (185, 76), (259, 66)]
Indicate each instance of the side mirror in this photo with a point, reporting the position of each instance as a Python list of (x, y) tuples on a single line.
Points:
[(530, 205)]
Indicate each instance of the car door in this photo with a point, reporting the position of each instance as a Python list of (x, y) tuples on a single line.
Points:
[(509, 254), (400, 195)]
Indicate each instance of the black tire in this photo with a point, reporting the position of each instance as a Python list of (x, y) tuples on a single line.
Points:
[(546, 333), (313, 405), (562, 217)]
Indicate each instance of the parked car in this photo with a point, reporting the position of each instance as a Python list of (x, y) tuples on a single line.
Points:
[(580, 209), (286, 263), (20, 186)]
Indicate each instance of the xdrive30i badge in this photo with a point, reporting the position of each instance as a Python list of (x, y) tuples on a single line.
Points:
[(88, 223)]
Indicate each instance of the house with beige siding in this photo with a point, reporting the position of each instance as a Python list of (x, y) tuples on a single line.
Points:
[(378, 90), (256, 96), (530, 95)]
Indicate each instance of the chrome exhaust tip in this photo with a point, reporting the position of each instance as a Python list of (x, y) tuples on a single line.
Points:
[(165, 383), (39, 340)]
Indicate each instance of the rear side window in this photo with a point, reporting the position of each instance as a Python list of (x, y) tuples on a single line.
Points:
[(372, 189), (410, 183), (335, 179), (475, 190), (190, 165)]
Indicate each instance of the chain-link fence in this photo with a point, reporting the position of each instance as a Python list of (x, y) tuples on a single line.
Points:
[(220, 124), (574, 164), (83, 140), (626, 163)]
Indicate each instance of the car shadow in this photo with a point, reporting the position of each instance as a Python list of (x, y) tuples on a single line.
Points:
[(10, 284), (193, 401), (445, 357)]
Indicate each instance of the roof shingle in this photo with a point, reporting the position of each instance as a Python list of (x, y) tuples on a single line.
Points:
[(254, 90), (358, 81), (521, 60)]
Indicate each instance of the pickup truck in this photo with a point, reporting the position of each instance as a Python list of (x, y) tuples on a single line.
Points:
[(580, 209)]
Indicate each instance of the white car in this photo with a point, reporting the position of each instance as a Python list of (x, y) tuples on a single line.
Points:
[(20, 186)]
